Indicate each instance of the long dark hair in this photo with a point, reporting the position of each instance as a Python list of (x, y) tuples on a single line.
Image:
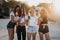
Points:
[(22, 12), (19, 12)]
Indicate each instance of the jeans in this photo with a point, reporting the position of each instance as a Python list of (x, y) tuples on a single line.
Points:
[(21, 30)]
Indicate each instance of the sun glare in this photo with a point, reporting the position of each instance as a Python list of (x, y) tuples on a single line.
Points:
[(56, 5), (35, 2)]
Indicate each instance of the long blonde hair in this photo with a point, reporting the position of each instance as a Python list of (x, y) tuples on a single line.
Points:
[(43, 13)]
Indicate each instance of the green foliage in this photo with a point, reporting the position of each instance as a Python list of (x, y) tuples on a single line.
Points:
[(11, 4)]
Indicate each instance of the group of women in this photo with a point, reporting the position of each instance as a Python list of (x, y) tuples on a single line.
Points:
[(33, 22)]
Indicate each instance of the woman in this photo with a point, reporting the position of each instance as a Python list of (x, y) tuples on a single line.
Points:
[(32, 26), (10, 26), (43, 29), (21, 29), (17, 12), (14, 16)]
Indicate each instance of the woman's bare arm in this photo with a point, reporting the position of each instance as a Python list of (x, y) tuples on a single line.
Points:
[(39, 21)]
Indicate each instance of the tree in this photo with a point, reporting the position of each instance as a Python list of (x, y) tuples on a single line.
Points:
[(11, 4)]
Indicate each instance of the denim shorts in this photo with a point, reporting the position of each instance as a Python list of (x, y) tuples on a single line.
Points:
[(10, 25), (32, 29)]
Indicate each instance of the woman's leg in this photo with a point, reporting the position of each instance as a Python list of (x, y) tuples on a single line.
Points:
[(28, 36), (47, 36), (33, 36), (23, 33), (18, 33), (41, 35), (11, 34)]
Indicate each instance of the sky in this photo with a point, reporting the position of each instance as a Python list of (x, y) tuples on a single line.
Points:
[(35, 2)]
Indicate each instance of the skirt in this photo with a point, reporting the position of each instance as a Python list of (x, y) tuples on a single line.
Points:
[(45, 30)]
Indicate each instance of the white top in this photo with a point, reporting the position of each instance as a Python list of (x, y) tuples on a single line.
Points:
[(16, 18), (11, 14), (22, 20), (32, 21)]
